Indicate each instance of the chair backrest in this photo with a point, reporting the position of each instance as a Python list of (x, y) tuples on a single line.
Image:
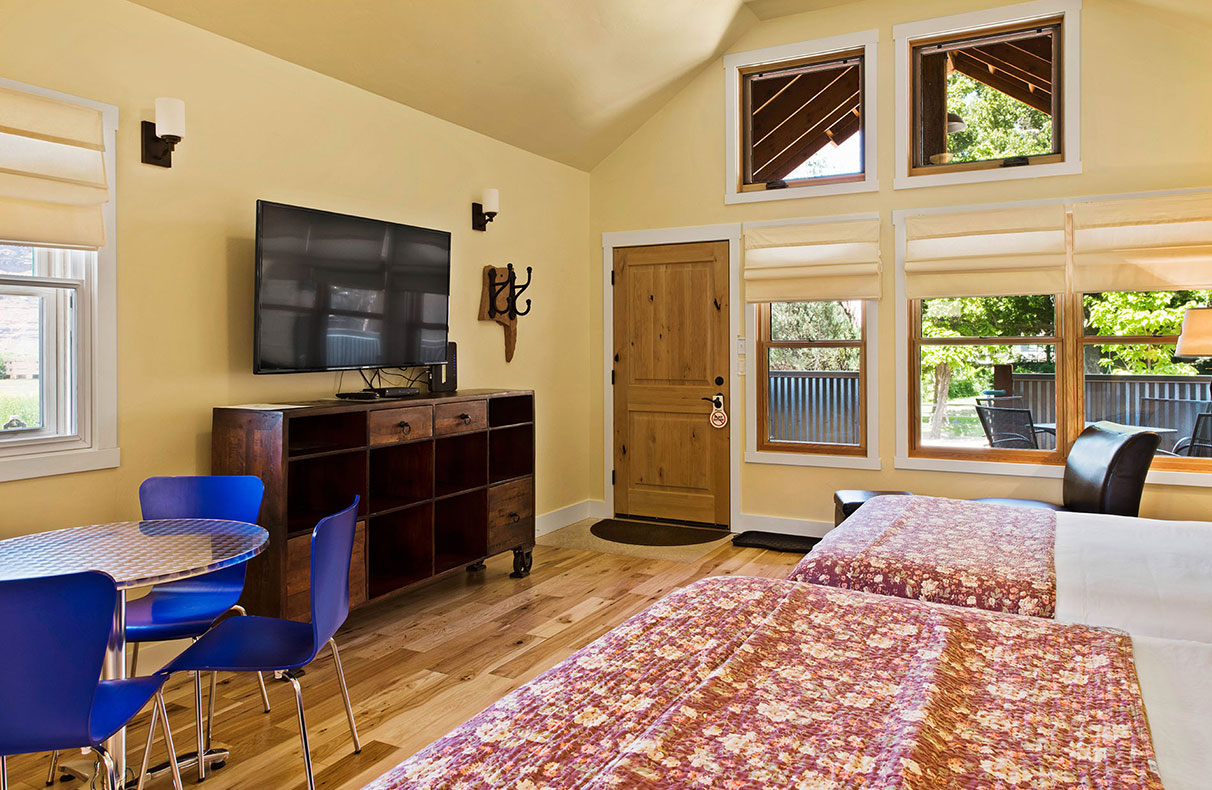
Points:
[(1005, 401), (1177, 413), (1106, 468), (331, 549), (1201, 437), (56, 629), (1008, 427), (225, 497)]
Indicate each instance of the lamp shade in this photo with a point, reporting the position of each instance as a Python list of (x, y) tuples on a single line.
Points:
[(491, 200), (1196, 337), (170, 118)]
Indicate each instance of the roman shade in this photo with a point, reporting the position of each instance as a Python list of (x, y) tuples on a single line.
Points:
[(52, 171), (812, 261), (995, 252), (1158, 243)]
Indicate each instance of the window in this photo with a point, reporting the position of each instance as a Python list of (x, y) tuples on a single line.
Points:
[(801, 119), (58, 393), (811, 357), (988, 95), (994, 374)]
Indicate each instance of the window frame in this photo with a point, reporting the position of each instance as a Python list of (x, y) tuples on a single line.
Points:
[(738, 64), (909, 36), (94, 442)]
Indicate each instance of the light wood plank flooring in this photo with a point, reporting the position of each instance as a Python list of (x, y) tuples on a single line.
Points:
[(422, 662)]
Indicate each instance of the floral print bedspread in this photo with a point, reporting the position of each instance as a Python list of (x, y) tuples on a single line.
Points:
[(759, 683), (976, 554)]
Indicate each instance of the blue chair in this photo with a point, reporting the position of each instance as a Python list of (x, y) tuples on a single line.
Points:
[(186, 609), (254, 644), (57, 629)]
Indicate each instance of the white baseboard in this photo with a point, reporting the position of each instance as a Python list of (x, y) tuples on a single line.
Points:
[(558, 519), (783, 526)]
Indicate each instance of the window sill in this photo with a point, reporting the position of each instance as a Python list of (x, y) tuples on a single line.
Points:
[(25, 467), (868, 184), (905, 181), (1156, 476), (810, 459)]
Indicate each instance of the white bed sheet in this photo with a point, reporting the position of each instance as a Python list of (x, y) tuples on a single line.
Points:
[(1176, 685), (1148, 577)]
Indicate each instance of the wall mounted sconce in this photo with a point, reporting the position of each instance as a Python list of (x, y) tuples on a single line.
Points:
[(482, 213), (161, 137)]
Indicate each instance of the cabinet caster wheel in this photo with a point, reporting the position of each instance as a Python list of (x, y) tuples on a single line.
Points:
[(522, 560)]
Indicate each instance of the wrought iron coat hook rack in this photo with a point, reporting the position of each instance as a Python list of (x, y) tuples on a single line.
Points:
[(511, 295)]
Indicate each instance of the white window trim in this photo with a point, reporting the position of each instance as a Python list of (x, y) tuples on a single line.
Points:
[(868, 40), (96, 443), (902, 459), (904, 33), (871, 460)]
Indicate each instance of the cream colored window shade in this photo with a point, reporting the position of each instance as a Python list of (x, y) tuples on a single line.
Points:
[(812, 261), (998, 252), (52, 171), (1153, 243)]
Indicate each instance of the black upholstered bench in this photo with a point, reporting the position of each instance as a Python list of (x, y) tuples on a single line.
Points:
[(848, 500)]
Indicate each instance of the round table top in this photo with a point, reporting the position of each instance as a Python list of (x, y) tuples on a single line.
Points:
[(134, 553)]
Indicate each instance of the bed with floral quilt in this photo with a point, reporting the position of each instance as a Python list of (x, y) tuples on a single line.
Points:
[(737, 682), (1145, 576)]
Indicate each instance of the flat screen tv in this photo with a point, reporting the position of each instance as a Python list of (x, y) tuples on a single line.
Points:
[(336, 292)]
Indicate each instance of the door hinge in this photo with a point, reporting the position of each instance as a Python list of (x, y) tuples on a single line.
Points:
[(612, 477), (612, 277), (612, 377)]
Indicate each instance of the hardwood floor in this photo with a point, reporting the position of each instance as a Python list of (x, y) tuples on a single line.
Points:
[(422, 662)]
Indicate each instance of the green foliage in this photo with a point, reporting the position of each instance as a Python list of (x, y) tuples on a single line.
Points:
[(3, 368), (815, 321), (19, 398), (1145, 313), (998, 126)]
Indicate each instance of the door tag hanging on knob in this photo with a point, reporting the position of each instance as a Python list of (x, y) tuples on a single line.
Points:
[(719, 418)]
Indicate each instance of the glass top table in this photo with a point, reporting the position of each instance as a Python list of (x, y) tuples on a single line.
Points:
[(135, 554)]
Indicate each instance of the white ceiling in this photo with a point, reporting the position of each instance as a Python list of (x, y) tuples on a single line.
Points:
[(567, 79)]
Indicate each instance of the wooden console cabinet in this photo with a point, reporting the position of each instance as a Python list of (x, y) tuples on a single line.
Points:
[(445, 481)]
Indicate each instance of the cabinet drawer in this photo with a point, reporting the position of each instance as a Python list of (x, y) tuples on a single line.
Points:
[(511, 515), (298, 574), (390, 426), (460, 417)]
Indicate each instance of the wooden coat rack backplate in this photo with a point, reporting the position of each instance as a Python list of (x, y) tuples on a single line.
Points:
[(502, 308)]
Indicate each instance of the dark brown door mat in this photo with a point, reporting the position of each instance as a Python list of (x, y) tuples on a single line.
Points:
[(774, 541), (654, 533)]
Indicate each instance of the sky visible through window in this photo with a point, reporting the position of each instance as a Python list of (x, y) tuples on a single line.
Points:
[(833, 160)]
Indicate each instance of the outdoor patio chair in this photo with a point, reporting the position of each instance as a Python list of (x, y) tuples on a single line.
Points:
[(1199, 443), (1009, 428)]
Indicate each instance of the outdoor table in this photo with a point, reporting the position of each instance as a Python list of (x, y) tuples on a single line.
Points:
[(1050, 427), (135, 554)]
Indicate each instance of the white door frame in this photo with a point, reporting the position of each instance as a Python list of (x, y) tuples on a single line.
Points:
[(730, 233)]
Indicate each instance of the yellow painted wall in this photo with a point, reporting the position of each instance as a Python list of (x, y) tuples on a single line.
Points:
[(259, 127), (1146, 124)]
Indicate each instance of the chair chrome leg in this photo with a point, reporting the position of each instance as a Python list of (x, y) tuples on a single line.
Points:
[(168, 740), (54, 768), (238, 609), (311, 781), (134, 661), (353, 728), (111, 771), (210, 709), (151, 733), (3, 773), (200, 728)]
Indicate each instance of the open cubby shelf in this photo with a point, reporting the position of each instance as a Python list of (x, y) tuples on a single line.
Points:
[(449, 494)]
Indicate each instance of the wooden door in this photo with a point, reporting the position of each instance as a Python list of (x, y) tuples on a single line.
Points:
[(671, 358)]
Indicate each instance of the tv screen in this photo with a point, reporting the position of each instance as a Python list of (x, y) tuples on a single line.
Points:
[(336, 292)]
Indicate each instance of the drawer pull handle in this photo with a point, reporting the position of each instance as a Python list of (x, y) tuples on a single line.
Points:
[(466, 418), (516, 518), (405, 427)]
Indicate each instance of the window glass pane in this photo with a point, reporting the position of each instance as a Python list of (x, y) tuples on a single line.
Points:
[(1140, 313), (986, 99), (992, 316), (806, 321), (1143, 385), (20, 363), (16, 261), (804, 121), (814, 395), (1013, 385)]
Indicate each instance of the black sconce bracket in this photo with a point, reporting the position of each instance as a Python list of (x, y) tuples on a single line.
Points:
[(479, 217), (510, 282), (157, 151)]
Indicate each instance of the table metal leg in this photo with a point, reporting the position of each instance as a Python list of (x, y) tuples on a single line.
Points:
[(114, 668)]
